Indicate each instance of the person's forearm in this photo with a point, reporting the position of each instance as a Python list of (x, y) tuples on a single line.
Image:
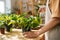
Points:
[(49, 25)]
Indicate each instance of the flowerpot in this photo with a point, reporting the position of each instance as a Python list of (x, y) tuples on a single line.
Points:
[(2, 30), (25, 29), (39, 27), (8, 27), (36, 28)]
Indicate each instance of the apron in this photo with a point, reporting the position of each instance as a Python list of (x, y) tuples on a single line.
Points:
[(53, 34)]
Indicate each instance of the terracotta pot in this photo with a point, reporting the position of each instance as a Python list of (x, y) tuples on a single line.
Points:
[(2, 30)]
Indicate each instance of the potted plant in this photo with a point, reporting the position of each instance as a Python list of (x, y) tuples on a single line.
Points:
[(2, 27), (23, 22), (28, 23), (15, 19), (8, 22), (12, 21)]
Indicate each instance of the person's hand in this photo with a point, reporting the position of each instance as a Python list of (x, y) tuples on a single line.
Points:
[(31, 34)]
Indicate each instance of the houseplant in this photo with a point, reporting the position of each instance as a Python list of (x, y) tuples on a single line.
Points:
[(16, 20), (8, 22), (28, 23), (2, 27)]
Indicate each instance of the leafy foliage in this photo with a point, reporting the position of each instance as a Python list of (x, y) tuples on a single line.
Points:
[(20, 20)]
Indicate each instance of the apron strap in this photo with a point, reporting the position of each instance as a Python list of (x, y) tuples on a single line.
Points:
[(48, 5)]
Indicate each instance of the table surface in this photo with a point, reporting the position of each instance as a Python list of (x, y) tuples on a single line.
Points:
[(16, 34)]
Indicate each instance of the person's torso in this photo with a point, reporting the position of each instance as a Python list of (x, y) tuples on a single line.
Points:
[(53, 34)]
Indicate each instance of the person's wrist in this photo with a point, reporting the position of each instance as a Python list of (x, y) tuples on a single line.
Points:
[(39, 31)]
